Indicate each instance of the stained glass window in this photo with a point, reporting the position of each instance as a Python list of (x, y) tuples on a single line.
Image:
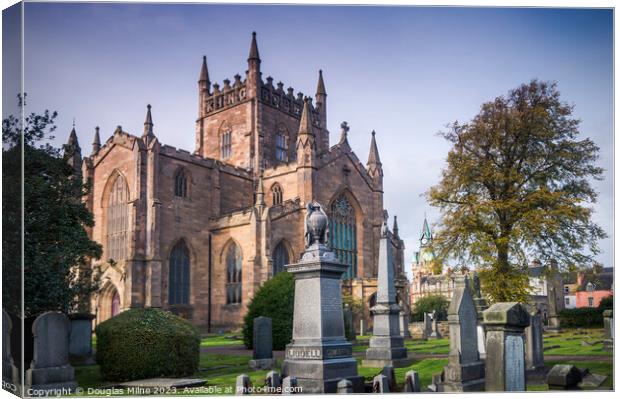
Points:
[(117, 220), (233, 274), (178, 280), (280, 258), (343, 234)]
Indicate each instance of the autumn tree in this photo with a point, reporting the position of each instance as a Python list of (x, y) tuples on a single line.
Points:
[(517, 185)]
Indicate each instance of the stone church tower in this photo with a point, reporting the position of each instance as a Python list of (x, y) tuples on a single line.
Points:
[(198, 232)]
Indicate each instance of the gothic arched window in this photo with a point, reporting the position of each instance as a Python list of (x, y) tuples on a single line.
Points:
[(276, 193), (117, 220), (343, 234), (280, 258), (226, 144), (178, 275), (180, 184), (233, 274), (281, 146)]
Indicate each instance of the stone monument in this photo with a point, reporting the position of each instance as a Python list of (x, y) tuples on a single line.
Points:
[(481, 305), (465, 371), (608, 320), (319, 356), (534, 358), (50, 368), (505, 323), (10, 373), (387, 346), (262, 343)]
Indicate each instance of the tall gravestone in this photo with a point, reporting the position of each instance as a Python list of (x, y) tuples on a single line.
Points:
[(387, 346), (481, 305), (319, 356), (262, 356), (465, 371), (534, 357), (10, 373), (505, 323), (50, 368)]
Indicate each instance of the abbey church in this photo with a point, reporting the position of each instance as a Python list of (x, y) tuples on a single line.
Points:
[(198, 232)]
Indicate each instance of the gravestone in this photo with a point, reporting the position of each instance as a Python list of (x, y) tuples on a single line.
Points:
[(319, 355), (465, 371), (534, 358), (481, 305), (434, 326), (10, 373), (564, 377), (412, 382), (428, 325), (289, 385), (242, 385), (380, 384), (50, 368), (387, 346), (505, 323), (608, 319), (344, 387), (80, 340), (262, 355)]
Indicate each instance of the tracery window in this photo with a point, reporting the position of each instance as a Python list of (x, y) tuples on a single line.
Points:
[(276, 192), (117, 217), (280, 258), (233, 274), (226, 144), (180, 184), (343, 234), (281, 147), (178, 275)]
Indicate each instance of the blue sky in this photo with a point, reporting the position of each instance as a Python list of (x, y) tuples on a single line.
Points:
[(404, 71)]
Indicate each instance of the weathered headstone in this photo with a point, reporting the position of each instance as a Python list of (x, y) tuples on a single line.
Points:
[(434, 326), (465, 371), (534, 358), (50, 368), (262, 356), (380, 384), (505, 323), (564, 377), (608, 320), (319, 356), (412, 382), (10, 373), (387, 346), (428, 325), (273, 379), (481, 305), (289, 385), (242, 385), (344, 387), (80, 340)]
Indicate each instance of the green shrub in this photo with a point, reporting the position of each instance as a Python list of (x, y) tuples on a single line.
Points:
[(146, 343), (427, 304), (581, 317), (273, 299)]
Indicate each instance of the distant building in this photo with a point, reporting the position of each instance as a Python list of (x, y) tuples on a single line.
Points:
[(593, 287)]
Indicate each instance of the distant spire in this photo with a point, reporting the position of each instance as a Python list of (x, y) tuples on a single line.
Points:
[(373, 156), (204, 71), (305, 126), (320, 88), (253, 49), (148, 123), (395, 227), (96, 141)]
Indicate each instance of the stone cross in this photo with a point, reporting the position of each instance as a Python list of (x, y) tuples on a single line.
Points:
[(412, 381), (534, 358), (262, 358), (465, 371), (50, 361), (387, 346), (319, 356), (505, 323)]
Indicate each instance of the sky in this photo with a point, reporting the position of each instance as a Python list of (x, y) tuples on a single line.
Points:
[(405, 72)]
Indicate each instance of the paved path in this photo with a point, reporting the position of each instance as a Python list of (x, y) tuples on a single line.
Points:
[(240, 350)]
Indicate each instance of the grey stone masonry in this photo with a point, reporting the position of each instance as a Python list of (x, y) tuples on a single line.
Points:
[(534, 358), (319, 356), (564, 377), (412, 382), (608, 319), (10, 373), (465, 371), (262, 343), (505, 323), (387, 346), (50, 368)]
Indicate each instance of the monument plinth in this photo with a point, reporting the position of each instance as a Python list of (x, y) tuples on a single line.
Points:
[(319, 356)]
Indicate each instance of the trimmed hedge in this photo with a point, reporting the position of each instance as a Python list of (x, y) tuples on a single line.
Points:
[(146, 343), (581, 317), (274, 299)]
